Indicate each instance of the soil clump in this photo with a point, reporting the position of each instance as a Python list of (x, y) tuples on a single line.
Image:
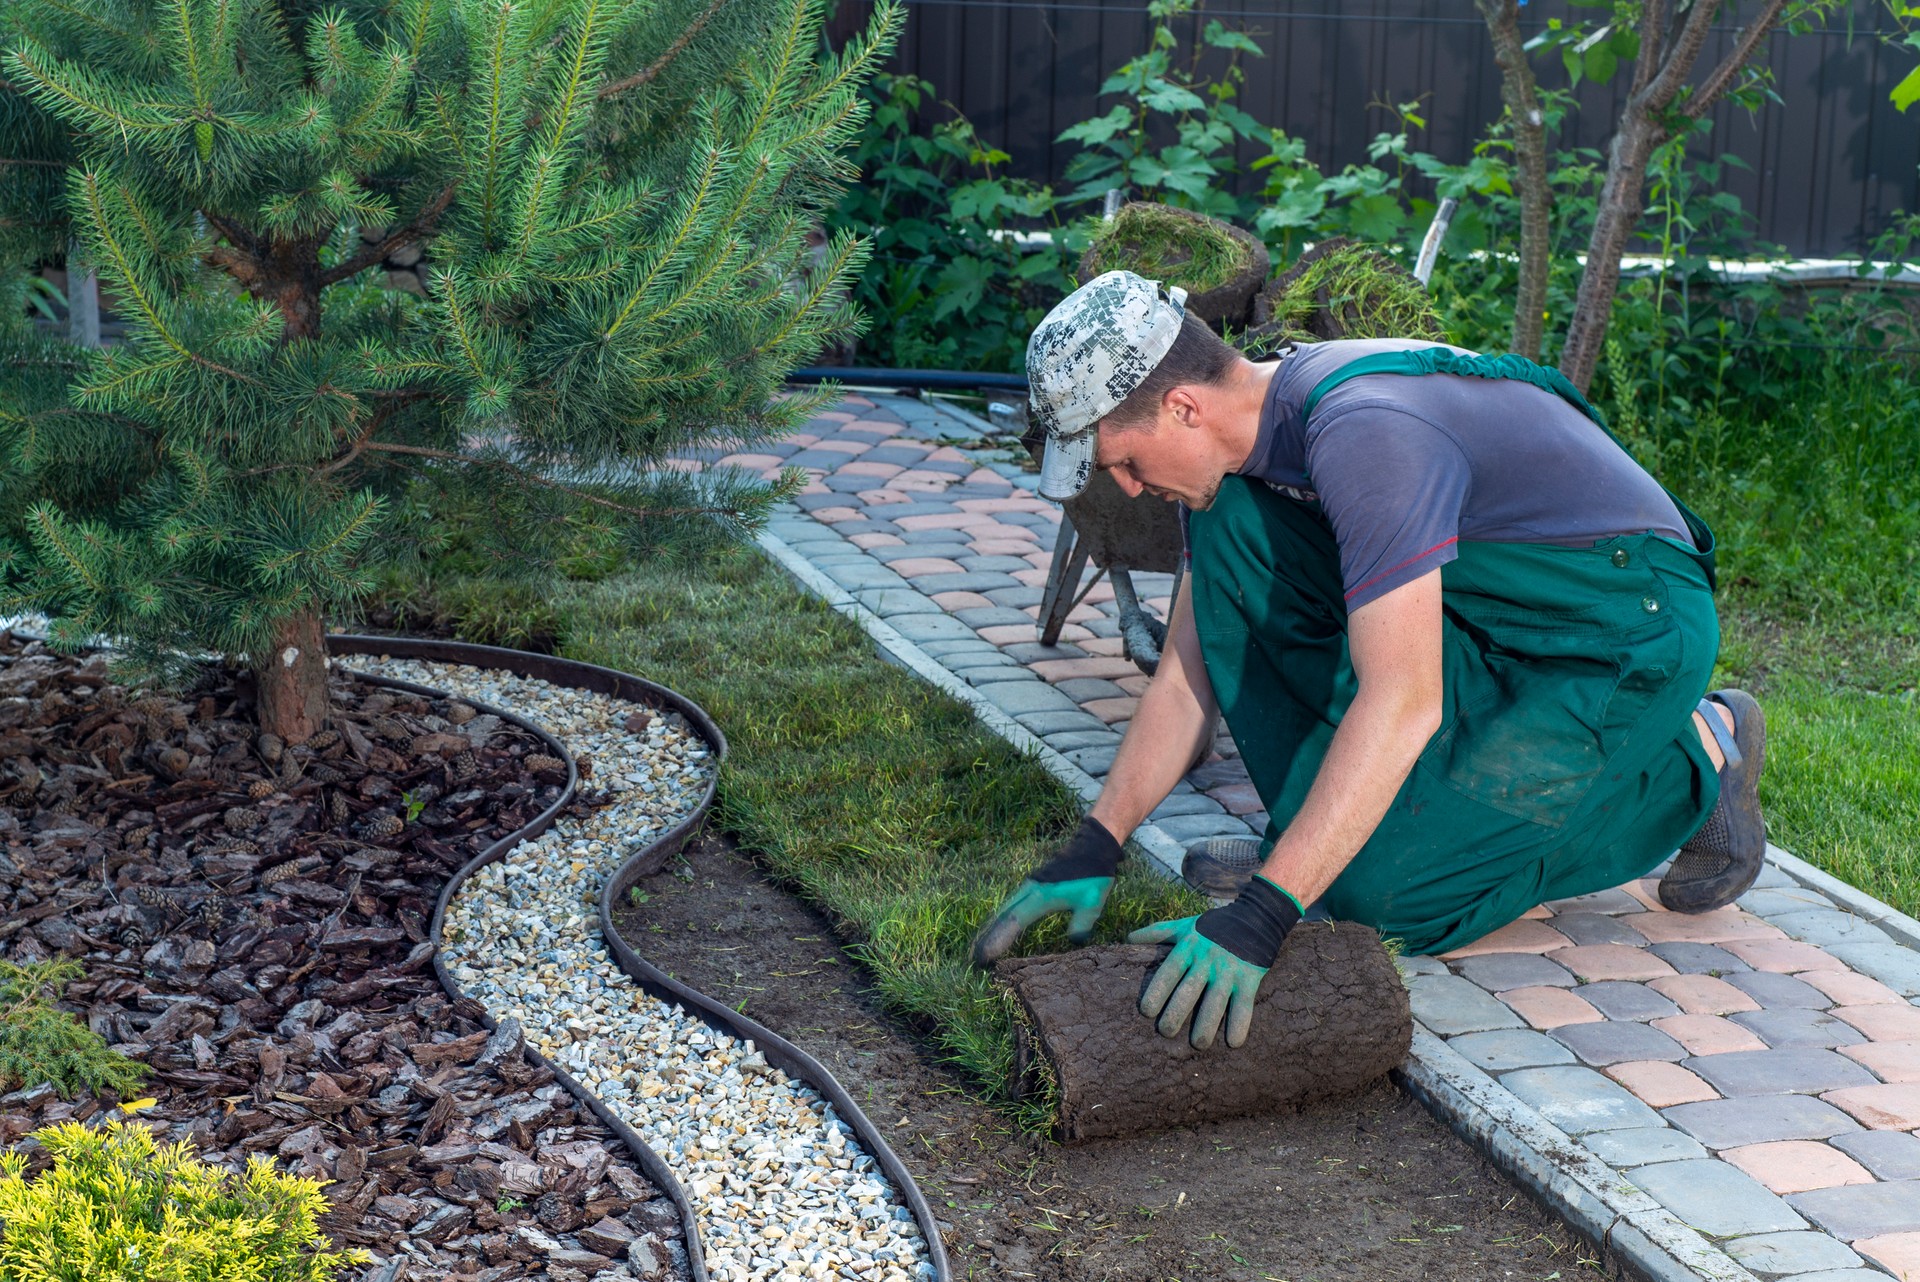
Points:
[(253, 920), (1370, 1186)]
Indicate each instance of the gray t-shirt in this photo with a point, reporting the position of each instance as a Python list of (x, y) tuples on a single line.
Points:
[(1405, 467)]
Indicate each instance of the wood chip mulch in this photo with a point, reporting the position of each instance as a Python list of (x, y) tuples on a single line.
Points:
[(253, 921)]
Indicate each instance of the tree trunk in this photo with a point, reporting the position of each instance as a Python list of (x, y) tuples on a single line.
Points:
[(1331, 1017), (292, 678), (1518, 87), (1613, 224)]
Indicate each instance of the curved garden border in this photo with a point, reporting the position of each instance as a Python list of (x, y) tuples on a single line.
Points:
[(776, 1049)]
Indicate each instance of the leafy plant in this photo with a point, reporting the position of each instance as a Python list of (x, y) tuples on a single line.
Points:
[(39, 1042), (115, 1204)]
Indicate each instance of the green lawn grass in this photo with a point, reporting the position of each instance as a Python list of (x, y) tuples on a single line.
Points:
[(879, 798)]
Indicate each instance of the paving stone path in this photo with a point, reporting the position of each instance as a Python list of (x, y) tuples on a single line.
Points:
[(1755, 1071)]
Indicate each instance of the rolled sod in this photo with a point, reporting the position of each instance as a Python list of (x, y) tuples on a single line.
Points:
[(1332, 1016)]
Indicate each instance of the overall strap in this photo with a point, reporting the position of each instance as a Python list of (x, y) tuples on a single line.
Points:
[(1441, 360)]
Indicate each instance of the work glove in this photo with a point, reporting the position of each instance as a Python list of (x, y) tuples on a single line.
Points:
[(1074, 881), (1217, 963)]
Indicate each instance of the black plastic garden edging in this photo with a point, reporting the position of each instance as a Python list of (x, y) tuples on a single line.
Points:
[(777, 1050)]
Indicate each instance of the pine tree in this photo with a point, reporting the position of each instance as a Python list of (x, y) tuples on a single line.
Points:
[(610, 201)]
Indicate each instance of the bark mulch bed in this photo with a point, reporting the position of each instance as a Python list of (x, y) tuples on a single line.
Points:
[(253, 921), (1370, 1186)]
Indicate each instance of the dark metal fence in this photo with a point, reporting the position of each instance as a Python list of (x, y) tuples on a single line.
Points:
[(1831, 163)]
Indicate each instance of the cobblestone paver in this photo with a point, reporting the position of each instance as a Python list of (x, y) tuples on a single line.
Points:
[(1755, 1070)]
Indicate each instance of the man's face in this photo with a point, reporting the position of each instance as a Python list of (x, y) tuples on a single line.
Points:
[(1169, 460)]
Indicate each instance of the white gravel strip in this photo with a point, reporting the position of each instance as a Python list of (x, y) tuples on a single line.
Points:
[(780, 1186)]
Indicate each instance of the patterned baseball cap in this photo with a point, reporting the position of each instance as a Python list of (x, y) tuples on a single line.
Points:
[(1089, 353)]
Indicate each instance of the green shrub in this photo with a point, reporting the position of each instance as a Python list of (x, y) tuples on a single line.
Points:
[(115, 1204), (39, 1042)]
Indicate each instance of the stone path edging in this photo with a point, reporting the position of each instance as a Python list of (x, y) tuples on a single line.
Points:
[(1591, 1196)]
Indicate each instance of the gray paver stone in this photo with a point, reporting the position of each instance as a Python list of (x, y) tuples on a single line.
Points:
[(1024, 697), (1505, 1049), (1826, 927), (1095, 761), (1034, 652), (932, 627), (1642, 1146), (1893, 965), (898, 455), (1600, 901), (1854, 1211), (1804, 1071), (1193, 827), (1617, 999), (1730, 1123), (849, 485), (1410, 965), (1698, 959), (1599, 928), (1052, 723), (1773, 877), (1615, 1042), (1838, 1275), (1195, 803), (919, 551), (965, 581), (1891, 1155), (1716, 1198), (948, 647), (1784, 899), (1775, 991), (1450, 1005), (860, 575), (1497, 972), (988, 658), (813, 502), (920, 538), (993, 676), (1016, 598), (1791, 1253), (1578, 1100), (1086, 689), (1790, 1027), (1068, 740), (996, 565), (992, 616), (891, 603), (1102, 627), (825, 556)]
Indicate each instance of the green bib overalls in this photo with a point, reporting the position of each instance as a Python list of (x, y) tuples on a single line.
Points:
[(1566, 760)]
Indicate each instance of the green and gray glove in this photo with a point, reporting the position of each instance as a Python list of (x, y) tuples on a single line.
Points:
[(1074, 881), (1217, 963)]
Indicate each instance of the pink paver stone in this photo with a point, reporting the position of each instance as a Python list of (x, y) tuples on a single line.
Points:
[(814, 487), (1850, 988), (912, 566), (947, 454), (874, 427), (1000, 547), (1079, 614), (752, 462), (951, 601), (841, 445), (912, 482), (1106, 647), (1611, 961), (1889, 1061), (880, 498), (1549, 1007), (1057, 670), (875, 539), (1031, 578), (1883, 1023), (1111, 710), (1521, 936), (1539, 912), (1661, 1085), (942, 521), (1786, 956), (1703, 994), (1716, 927), (835, 515), (1135, 685), (1007, 633), (1037, 559), (1643, 890), (1897, 1253), (1005, 533), (879, 471), (833, 416), (1238, 798), (1708, 1034), (802, 439), (1797, 1166), (1001, 505), (1888, 1106), (987, 476)]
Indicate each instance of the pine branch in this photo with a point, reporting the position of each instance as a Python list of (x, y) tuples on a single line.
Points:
[(546, 482), (665, 60), (420, 227)]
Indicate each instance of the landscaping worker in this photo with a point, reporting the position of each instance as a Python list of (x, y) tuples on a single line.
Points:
[(1459, 636)]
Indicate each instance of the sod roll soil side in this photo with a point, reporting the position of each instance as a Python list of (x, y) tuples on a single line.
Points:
[(1331, 1017)]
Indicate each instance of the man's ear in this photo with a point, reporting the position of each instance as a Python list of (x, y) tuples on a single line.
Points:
[(1182, 404)]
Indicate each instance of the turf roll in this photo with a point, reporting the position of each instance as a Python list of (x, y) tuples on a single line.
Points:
[(1332, 1016)]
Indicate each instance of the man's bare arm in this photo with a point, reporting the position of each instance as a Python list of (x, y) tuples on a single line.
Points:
[(1395, 644), (1167, 731)]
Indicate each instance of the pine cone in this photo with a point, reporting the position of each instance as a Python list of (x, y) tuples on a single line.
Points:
[(291, 868), (337, 810), (132, 935), (239, 818), (463, 767), (382, 827), (137, 838), (232, 846), (324, 740), (321, 772), (260, 789), (210, 913), (157, 896), (542, 764)]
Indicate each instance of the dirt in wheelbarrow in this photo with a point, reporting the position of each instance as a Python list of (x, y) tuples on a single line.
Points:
[(1369, 1187)]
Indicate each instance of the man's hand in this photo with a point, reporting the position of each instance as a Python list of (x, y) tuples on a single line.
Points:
[(1074, 881), (1217, 963)]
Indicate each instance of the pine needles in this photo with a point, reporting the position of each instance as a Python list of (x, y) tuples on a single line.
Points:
[(39, 1042)]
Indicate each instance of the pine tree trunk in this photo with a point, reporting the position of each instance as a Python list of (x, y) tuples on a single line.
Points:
[(1517, 86), (1613, 224), (292, 679)]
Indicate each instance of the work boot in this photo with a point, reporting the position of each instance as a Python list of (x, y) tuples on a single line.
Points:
[(1221, 867), (1721, 861)]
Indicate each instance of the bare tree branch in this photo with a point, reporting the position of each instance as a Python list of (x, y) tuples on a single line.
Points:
[(421, 225), (1721, 78), (660, 64), (1677, 62)]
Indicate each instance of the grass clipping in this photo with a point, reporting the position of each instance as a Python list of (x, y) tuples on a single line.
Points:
[(39, 1042)]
